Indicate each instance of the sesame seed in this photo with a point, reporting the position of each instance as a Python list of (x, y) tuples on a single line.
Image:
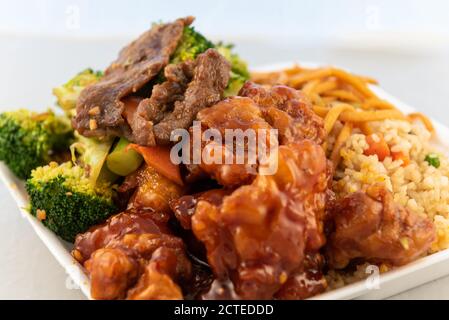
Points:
[(283, 277), (94, 111), (77, 255), (41, 214), (383, 268), (93, 124), (404, 243)]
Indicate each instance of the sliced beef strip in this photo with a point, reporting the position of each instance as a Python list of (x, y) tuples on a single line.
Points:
[(163, 96), (166, 94), (136, 65), (210, 78), (140, 127)]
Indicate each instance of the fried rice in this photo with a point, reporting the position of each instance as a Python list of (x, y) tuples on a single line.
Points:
[(417, 185)]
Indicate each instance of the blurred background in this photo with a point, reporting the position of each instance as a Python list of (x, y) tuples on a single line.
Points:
[(402, 43)]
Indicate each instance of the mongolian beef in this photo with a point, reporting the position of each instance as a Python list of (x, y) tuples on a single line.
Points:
[(335, 182)]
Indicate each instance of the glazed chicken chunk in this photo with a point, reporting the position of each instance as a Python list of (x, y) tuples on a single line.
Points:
[(370, 225), (306, 281), (145, 266), (115, 228), (234, 113), (185, 206), (260, 234), (151, 190), (258, 109), (134, 256), (287, 110)]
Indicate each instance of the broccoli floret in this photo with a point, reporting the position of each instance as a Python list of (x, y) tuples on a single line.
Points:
[(68, 93), (239, 69), (71, 197), (92, 153), (191, 45), (29, 139), (65, 200)]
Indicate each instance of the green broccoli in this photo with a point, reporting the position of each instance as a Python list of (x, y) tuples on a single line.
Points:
[(239, 69), (29, 139), (68, 93), (191, 45), (69, 198), (63, 198), (92, 153)]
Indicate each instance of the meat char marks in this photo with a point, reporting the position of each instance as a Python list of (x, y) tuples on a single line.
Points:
[(210, 78), (137, 64), (103, 108)]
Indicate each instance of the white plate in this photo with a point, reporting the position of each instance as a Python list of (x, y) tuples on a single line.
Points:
[(401, 279)]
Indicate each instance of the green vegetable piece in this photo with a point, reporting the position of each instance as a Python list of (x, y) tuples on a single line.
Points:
[(74, 195), (91, 152), (68, 93), (433, 160), (69, 201), (29, 139), (239, 70), (121, 161), (191, 45)]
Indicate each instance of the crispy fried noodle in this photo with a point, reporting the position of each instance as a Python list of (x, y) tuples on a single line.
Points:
[(339, 96)]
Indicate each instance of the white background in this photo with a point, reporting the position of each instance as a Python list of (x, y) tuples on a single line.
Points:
[(402, 43)]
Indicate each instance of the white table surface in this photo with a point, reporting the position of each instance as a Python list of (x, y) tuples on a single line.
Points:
[(30, 67)]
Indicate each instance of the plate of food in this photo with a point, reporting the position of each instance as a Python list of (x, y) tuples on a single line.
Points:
[(177, 173)]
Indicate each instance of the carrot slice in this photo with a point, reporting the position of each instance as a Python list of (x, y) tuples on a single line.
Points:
[(377, 146), (401, 156), (130, 110), (159, 158)]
